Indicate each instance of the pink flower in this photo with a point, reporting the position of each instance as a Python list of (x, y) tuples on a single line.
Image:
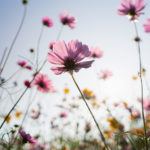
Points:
[(26, 137), (146, 104), (67, 20), (29, 67), (63, 115), (104, 74), (147, 26), (27, 83), (131, 8), (51, 45), (96, 52), (44, 84), (36, 115), (136, 114), (47, 22), (22, 63), (67, 57)]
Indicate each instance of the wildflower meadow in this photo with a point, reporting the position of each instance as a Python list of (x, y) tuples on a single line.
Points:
[(75, 75)]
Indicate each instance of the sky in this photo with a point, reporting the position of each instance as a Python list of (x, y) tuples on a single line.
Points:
[(98, 24)]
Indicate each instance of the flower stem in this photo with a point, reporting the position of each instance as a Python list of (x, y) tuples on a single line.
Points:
[(38, 45), (15, 38), (141, 81), (2, 58), (21, 96), (26, 88), (60, 31), (101, 134)]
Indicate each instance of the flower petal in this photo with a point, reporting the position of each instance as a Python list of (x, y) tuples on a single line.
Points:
[(85, 64), (78, 51), (58, 70), (54, 59), (60, 49)]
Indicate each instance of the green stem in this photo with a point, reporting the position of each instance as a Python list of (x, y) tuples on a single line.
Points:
[(60, 31), (20, 97), (101, 134), (38, 45), (141, 81), (24, 90), (15, 38)]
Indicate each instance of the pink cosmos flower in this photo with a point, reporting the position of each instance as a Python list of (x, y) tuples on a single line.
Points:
[(29, 67), (131, 8), (63, 115), (104, 74), (136, 114), (26, 137), (47, 22), (22, 63), (67, 20), (36, 115), (67, 57), (44, 84), (147, 26), (51, 45), (27, 83), (146, 104), (96, 52)]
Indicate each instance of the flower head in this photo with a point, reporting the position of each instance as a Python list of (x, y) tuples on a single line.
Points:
[(63, 115), (27, 84), (18, 114), (67, 20), (88, 93), (131, 8), (47, 22), (147, 26), (136, 114), (8, 119), (44, 84), (28, 67), (24, 2), (96, 52), (22, 63), (51, 45), (35, 114), (68, 57), (147, 104), (66, 90), (27, 137), (104, 74)]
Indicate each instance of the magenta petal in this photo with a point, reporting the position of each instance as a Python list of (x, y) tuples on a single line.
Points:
[(54, 59), (58, 70), (60, 49), (125, 3), (140, 4), (83, 53), (78, 51), (85, 64)]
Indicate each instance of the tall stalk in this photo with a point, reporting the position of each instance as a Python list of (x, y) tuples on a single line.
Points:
[(141, 84), (27, 87), (15, 38), (101, 134), (38, 44)]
